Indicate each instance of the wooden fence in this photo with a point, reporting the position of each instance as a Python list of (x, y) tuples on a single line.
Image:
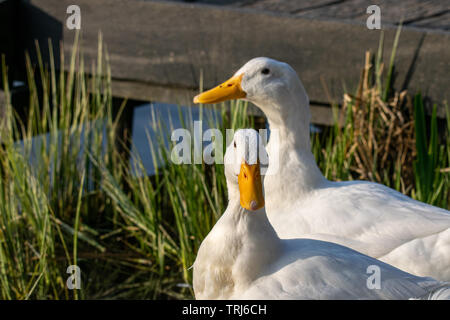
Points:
[(158, 50)]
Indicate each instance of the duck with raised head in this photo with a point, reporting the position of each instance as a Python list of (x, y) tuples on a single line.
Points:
[(366, 216)]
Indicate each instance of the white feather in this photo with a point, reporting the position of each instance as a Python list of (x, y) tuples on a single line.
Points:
[(243, 258), (368, 217)]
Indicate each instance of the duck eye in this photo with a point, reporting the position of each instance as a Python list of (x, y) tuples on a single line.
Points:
[(235, 144), (265, 71)]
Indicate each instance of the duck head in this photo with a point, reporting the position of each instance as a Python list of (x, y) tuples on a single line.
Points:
[(270, 84), (242, 168)]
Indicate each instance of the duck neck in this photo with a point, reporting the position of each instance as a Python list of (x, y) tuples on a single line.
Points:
[(251, 242), (291, 124), (289, 147), (254, 244), (236, 251)]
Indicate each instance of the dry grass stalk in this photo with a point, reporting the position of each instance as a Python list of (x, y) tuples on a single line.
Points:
[(383, 137)]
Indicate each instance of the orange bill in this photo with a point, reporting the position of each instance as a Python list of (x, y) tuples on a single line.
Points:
[(250, 187), (229, 90)]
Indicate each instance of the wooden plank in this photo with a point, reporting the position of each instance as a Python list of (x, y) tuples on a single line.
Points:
[(286, 6), (169, 44), (441, 21), (321, 115), (142, 91), (148, 92), (412, 12)]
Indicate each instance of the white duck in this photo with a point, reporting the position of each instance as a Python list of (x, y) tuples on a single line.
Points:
[(366, 216), (243, 258)]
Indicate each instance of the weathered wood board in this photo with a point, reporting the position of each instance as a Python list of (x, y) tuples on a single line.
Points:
[(433, 14), (155, 47)]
